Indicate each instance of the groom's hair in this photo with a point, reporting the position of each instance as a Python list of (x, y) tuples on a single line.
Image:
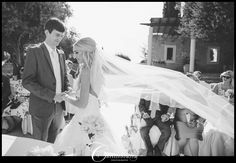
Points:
[(54, 23)]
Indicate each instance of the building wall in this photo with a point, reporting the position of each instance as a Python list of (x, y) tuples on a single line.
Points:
[(158, 44), (183, 49), (201, 58)]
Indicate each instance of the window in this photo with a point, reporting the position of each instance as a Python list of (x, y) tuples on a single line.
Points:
[(213, 55), (169, 53)]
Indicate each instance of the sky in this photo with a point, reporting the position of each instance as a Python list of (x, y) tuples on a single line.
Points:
[(115, 26)]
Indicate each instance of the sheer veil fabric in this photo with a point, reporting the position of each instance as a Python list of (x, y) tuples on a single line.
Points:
[(116, 80)]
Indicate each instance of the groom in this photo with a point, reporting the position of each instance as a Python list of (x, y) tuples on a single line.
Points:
[(45, 77)]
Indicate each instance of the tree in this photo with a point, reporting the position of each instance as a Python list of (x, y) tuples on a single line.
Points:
[(212, 22), (23, 22), (67, 42), (123, 56), (171, 9)]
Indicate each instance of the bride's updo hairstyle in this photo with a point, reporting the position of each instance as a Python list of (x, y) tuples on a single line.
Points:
[(88, 47)]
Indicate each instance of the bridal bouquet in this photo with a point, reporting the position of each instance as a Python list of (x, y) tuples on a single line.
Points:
[(93, 125)]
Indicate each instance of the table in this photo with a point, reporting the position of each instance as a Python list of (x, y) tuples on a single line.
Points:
[(20, 146)]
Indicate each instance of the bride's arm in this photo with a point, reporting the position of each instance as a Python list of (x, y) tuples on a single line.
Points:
[(81, 101)]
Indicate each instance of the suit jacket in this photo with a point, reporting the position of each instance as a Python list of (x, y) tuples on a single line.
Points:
[(145, 104), (39, 80)]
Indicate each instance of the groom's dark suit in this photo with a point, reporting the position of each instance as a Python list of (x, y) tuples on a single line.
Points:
[(39, 79)]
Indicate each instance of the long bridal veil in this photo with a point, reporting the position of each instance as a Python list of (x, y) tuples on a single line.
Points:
[(117, 80)]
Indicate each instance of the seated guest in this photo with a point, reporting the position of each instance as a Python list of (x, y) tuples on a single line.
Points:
[(189, 128), (198, 75), (6, 91), (162, 123), (17, 109), (230, 92), (222, 87), (190, 75), (215, 142)]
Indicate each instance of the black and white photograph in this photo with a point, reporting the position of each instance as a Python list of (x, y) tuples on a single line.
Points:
[(118, 81)]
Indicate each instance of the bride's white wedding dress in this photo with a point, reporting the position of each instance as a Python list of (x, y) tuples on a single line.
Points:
[(89, 120)]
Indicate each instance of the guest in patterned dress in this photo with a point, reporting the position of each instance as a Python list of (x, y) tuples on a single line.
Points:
[(17, 109)]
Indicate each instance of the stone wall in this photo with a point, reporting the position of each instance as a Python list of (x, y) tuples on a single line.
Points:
[(183, 49), (158, 44)]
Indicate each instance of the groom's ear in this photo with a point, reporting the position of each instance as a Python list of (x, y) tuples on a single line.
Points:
[(46, 32)]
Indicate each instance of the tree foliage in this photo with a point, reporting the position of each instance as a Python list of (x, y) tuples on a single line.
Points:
[(67, 42), (211, 21), (171, 9), (23, 22)]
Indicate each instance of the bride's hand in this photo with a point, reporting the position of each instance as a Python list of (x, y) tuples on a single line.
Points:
[(64, 96)]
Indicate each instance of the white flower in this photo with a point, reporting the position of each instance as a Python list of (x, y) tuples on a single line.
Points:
[(229, 93), (93, 126)]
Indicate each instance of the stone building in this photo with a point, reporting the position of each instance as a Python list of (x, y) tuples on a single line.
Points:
[(166, 48)]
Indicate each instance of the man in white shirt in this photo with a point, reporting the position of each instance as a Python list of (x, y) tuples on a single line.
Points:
[(46, 78)]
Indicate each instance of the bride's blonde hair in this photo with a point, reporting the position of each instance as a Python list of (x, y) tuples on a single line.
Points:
[(88, 46)]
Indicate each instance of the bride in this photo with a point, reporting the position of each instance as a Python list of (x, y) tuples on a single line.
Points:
[(106, 78), (88, 131)]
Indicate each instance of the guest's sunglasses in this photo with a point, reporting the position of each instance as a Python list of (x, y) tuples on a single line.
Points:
[(226, 77), (75, 52)]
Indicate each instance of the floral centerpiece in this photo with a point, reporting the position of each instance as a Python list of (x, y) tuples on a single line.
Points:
[(229, 93)]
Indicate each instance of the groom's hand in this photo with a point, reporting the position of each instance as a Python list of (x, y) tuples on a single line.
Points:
[(68, 91), (58, 97), (145, 115)]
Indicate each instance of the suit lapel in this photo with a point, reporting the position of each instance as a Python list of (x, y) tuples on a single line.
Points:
[(46, 54), (61, 61)]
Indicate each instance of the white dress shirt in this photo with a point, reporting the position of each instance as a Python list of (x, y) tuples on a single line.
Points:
[(56, 66)]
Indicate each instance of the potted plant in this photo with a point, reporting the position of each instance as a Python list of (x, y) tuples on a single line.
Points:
[(159, 63)]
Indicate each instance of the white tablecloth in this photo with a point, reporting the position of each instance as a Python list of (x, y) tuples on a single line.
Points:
[(19, 146), (7, 142)]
